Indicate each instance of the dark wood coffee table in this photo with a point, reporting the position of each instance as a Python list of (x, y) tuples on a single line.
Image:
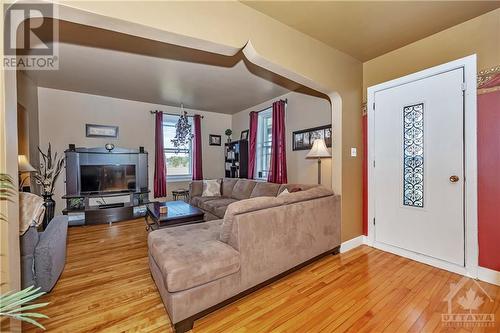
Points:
[(179, 213)]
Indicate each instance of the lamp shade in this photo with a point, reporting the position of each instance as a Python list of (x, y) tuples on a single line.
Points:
[(23, 164), (318, 150)]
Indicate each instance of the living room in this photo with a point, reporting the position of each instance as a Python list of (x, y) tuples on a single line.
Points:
[(127, 80)]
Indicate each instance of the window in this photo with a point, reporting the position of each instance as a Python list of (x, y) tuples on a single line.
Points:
[(178, 160), (413, 155), (264, 142)]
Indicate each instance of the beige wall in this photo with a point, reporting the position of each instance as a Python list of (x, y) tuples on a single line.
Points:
[(302, 111), (27, 96), (480, 35), (22, 131), (63, 115), (231, 25), (227, 26)]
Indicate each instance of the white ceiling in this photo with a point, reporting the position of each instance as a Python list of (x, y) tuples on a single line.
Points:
[(102, 62)]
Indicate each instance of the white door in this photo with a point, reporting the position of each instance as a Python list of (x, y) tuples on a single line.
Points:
[(419, 166)]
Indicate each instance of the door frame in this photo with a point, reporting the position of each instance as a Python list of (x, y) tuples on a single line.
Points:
[(470, 166)]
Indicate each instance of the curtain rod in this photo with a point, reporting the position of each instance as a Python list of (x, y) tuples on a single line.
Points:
[(172, 114), (286, 102)]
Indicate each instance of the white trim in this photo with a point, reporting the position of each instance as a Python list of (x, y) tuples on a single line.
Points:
[(422, 258), (471, 240), (367, 241), (351, 244), (179, 178), (488, 275)]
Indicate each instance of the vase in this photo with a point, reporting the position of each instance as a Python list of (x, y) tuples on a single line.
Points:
[(50, 206), (228, 139)]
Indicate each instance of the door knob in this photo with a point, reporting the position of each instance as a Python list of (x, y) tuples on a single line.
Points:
[(454, 179)]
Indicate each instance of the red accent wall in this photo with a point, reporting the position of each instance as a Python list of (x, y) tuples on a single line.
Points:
[(488, 141), (365, 174)]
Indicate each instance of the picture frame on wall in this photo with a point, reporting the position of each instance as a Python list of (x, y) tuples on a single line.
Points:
[(214, 140), (244, 135), (304, 139), (101, 131)]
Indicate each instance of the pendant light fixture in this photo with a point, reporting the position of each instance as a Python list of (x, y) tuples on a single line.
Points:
[(183, 131)]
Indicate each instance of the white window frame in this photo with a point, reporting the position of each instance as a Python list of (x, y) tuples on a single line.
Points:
[(259, 158), (167, 120)]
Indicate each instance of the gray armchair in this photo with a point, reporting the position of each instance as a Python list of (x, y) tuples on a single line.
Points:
[(43, 254)]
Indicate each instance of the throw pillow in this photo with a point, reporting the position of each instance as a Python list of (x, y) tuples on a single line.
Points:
[(211, 188), (285, 191)]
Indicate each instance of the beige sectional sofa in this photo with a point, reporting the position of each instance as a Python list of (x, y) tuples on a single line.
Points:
[(201, 267), (232, 190)]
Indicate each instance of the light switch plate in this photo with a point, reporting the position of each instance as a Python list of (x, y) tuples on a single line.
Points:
[(354, 152)]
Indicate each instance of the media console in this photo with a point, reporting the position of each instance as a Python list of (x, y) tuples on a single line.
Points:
[(96, 176)]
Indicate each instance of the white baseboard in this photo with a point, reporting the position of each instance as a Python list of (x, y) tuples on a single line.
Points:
[(367, 241), (351, 244), (486, 275), (454, 268)]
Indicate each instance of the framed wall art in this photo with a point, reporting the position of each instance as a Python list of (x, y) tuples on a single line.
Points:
[(101, 131), (303, 139), (214, 140)]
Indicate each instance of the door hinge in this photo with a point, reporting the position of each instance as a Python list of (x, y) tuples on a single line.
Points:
[(373, 106), (374, 163), (373, 221), (464, 86)]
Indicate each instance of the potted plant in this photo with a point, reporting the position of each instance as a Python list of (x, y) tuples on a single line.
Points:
[(15, 304), (228, 133), (46, 176)]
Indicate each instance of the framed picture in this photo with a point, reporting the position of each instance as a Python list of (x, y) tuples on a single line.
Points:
[(304, 139), (244, 135), (101, 131), (214, 140)]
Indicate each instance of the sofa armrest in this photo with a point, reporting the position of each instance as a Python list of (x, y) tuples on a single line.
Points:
[(195, 189), (50, 253), (28, 243)]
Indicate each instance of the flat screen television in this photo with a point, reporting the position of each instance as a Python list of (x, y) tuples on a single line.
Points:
[(107, 178)]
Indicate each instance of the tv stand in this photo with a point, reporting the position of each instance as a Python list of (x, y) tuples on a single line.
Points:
[(88, 214), (80, 209), (112, 205)]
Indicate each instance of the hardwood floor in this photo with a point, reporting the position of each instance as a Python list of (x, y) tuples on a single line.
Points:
[(106, 287)]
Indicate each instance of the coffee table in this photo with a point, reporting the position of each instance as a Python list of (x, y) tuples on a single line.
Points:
[(178, 213)]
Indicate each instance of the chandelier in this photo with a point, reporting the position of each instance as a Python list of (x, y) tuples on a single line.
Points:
[(183, 133)]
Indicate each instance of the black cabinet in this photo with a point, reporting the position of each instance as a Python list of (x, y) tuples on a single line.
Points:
[(236, 159)]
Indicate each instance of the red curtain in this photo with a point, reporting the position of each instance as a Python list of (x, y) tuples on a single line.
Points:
[(197, 163), (277, 165), (160, 180), (252, 143)]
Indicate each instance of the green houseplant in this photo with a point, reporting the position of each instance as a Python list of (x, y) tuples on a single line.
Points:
[(16, 304)]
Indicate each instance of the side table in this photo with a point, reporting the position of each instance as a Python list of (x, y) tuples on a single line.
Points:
[(180, 193)]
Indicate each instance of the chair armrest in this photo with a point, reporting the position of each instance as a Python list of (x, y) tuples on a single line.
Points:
[(50, 253)]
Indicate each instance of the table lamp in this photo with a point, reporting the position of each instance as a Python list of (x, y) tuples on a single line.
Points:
[(319, 151), (23, 166)]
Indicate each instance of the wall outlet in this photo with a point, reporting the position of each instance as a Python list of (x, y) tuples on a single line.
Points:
[(354, 152)]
